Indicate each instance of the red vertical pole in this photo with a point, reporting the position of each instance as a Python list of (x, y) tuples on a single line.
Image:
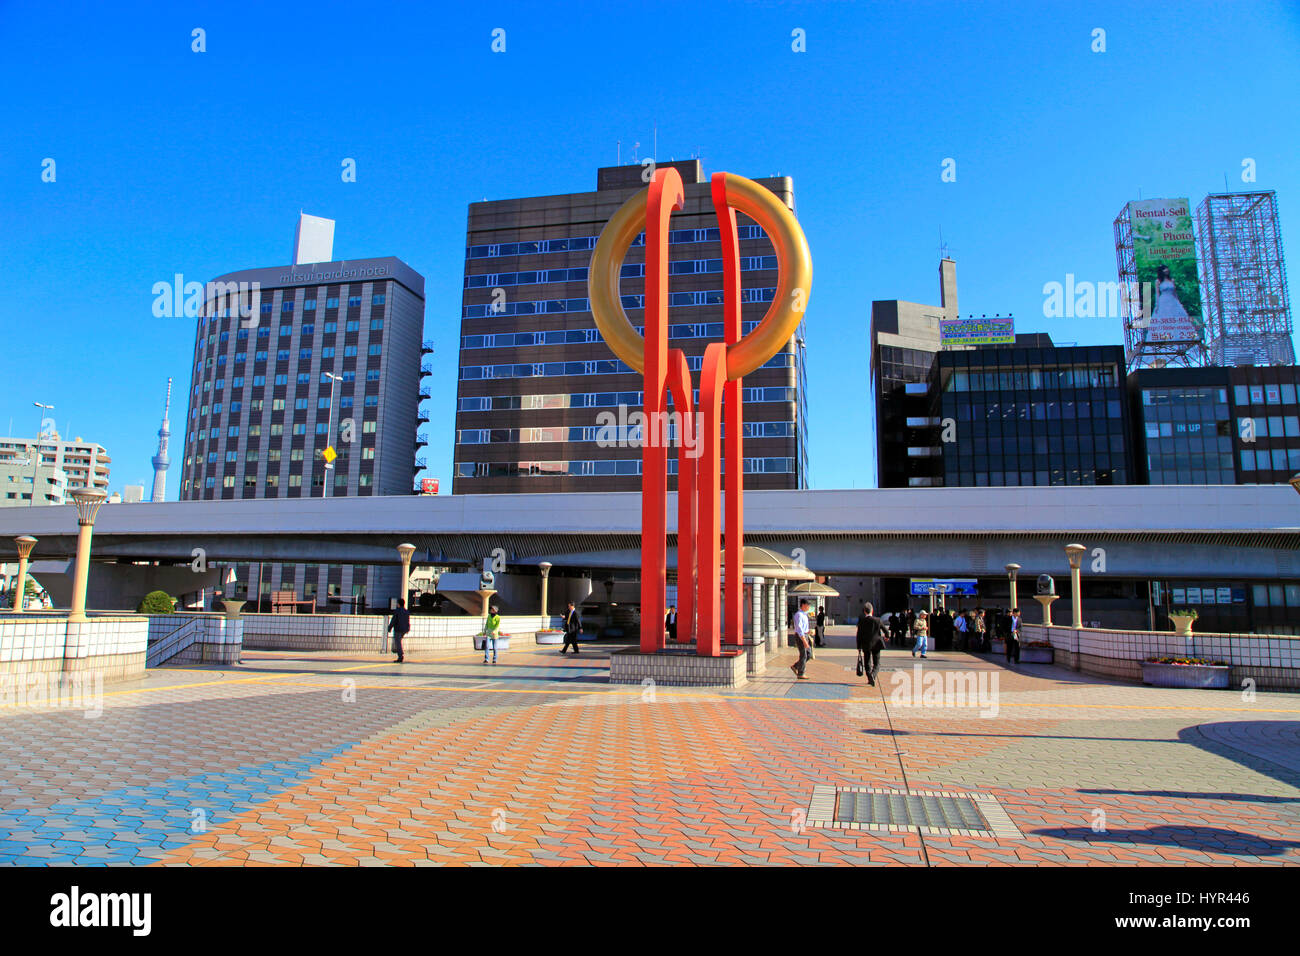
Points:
[(679, 387), (708, 639), (733, 417), (665, 194)]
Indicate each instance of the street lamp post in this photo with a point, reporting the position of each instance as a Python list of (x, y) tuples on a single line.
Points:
[(1074, 553), (406, 550), (36, 469), (1012, 569), (329, 437), (88, 501), (545, 568), (25, 544)]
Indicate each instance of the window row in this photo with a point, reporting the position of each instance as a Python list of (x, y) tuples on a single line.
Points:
[(688, 330), (624, 466), (584, 243), (1264, 394), (1276, 459), (273, 455), (273, 481), (593, 367), (629, 270), (489, 403), (303, 378), (617, 434), (1079, 376), (561, 306)]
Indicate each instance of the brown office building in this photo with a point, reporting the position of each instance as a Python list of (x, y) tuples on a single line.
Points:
[(542, 400)]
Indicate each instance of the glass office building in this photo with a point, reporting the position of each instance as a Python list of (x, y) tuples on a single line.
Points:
[(1205, 426), (1032, 416)]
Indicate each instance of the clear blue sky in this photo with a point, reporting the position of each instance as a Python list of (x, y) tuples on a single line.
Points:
[(173, 161)]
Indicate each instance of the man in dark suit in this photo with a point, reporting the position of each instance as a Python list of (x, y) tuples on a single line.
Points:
[(670, 623), (821, 626), (399, 625), (572, 628), (871, 641)]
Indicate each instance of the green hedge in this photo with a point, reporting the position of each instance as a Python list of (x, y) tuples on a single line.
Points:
[(156, 602)]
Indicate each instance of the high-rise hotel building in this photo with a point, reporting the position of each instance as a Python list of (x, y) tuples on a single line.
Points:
[(263, 407), (535, 375)]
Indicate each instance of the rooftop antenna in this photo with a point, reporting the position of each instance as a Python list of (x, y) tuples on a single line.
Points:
[(655, 154), (619, 161), (944, 252)]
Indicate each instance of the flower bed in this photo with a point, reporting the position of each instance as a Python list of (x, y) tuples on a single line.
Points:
[(1036, 652), (1185, 672), (550, 635)]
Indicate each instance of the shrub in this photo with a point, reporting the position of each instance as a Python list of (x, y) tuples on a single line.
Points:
[(1185, 612), (156, 602)]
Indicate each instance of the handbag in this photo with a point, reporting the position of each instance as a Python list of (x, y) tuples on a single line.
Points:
[(861, 668)]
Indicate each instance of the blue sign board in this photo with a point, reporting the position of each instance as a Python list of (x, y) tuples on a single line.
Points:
[(959, 587)]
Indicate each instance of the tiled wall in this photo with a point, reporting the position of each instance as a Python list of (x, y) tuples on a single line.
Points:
[(1273, 662), (633, 667), (367, 633), (36, 643), (209, 638)]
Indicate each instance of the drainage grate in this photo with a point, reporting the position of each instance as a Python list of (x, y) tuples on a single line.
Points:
[(928, 811)]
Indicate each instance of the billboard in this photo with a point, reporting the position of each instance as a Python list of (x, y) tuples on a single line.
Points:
[(952, 587), (1000, 330), (1164, 252), (428, 486)]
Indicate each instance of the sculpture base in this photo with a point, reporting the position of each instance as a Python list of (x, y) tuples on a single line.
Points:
[(678, 667)]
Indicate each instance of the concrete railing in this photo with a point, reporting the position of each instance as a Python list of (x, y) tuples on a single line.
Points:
[(1271, 661), (368, 633), (112, 645)]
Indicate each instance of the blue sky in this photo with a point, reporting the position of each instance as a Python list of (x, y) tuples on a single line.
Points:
[(170, 161)]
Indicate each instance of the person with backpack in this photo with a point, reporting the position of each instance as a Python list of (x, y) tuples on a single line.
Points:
[(871, 641)]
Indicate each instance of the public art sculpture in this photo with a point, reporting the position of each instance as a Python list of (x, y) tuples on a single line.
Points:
[(702, 599)]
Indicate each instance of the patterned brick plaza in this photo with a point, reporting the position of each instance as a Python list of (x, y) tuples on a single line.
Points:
[(313, 759)]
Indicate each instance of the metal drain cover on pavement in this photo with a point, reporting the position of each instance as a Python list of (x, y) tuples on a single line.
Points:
[(928, 811)]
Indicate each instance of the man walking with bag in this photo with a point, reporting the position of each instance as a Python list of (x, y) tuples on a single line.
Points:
[(572, 628), (801, 628), (871, 641), (399, 625)]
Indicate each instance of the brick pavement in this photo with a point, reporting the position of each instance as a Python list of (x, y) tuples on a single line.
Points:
[(324, 758)]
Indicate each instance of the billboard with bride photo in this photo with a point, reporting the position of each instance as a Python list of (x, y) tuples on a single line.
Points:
[(1164, 250)]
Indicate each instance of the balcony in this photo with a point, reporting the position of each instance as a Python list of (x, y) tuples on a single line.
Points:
[(421, 440), (426, 347), (426, 368), (425, 393), (419, 463), (422, 417)]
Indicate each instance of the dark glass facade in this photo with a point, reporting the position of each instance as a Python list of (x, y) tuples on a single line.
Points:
[(1032, 416), (1216, 425)]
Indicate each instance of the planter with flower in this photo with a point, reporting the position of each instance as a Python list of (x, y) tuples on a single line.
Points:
[(1183, 618), (550, 635), (1185, 672), (503, 641), (1036, 652)]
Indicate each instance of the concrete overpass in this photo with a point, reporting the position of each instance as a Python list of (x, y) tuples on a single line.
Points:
[(1144, 531)]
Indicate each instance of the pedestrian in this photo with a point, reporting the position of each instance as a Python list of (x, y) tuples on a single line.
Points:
[(670, 623), (491, 633), (981, 635), (960, 636), (922, 631), (572, 628), (801, 640), (821, 626), (1013, 636), (871, 641), (399, 625)]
